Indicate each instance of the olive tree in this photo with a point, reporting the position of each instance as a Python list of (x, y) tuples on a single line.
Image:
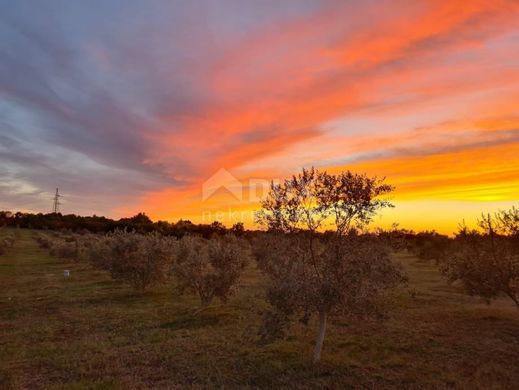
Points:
[(429, 245), (335, 272), (65, 249), (209, 268), (6, 243), (486, 259), (143, 260)]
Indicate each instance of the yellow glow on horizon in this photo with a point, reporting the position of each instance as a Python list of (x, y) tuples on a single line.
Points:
[(439, 122)]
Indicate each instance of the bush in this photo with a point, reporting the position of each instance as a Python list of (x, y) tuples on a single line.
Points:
[(485, 260), (209, 268), (43, 241), (141, 260), (65, 249), (430, 245), (6, 243)]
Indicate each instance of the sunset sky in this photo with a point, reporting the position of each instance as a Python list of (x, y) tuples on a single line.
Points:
[(131, 106)]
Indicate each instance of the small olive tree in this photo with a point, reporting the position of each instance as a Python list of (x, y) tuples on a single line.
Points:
[(64, 246), (486, 259), (6, 243), (429, 245), (143, 260), (209, 268), (336, 272), (65, 249)]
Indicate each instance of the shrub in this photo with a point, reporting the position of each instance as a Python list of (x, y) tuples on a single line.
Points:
[(429, 245), (6, 243), (91, 248), (209, 268), (64, 249), (141, 260), (485, 260), (43, 241)]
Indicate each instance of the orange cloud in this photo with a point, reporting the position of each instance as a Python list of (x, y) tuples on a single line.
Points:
[(432, 87)]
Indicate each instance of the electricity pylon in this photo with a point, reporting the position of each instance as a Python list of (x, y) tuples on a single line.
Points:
[(55, 206)]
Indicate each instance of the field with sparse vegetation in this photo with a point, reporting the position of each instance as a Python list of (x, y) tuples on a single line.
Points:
[(91, 331)]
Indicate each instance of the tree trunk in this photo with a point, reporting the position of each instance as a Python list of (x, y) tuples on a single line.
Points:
[(514, 298), (320, 337)]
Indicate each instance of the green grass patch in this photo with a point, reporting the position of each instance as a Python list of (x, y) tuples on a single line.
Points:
[(90, 332)]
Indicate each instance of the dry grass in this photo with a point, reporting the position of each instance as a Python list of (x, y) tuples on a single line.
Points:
[(88, 331)]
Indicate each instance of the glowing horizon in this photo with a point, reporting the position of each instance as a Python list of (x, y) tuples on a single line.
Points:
[(130, 107)]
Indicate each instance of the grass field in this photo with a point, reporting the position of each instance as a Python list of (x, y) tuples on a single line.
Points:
[(88, 331)]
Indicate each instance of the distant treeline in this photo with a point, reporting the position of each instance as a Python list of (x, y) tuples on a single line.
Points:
[(139, 223), (426, 245)]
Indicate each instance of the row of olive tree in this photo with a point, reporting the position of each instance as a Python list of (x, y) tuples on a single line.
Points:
[(310, 272), (316, 261), (486, 259), (143, 260), (316, 253), (209, 268), (343, 272)]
